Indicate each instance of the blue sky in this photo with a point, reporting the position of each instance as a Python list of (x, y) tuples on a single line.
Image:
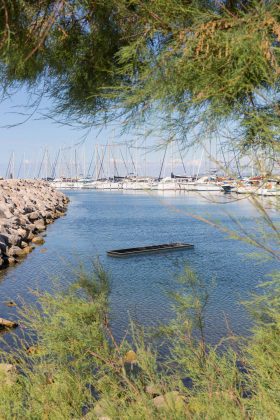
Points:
[(29, 138)]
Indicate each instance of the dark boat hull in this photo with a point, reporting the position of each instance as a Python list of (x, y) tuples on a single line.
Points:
[(227, 188), (148, 249)]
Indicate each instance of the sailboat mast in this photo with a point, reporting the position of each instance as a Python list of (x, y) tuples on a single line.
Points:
[(199, 166), (76, 165), (108, 169), (96, 161), (41, 164), (124, 162), (162, 163)]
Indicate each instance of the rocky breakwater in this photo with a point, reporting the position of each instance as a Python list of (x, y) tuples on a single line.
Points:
[(26, 208)]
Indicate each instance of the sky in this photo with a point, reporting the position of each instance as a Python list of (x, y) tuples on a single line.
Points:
[(34, 146), (30, 138), (29, 145)]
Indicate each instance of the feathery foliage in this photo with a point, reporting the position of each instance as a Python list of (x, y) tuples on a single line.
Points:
[(205, 64), (76, 369)]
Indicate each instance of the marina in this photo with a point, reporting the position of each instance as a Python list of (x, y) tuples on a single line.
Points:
[(249, 186), (134, 167)]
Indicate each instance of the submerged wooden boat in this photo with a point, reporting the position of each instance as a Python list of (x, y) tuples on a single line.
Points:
[(148, 249)]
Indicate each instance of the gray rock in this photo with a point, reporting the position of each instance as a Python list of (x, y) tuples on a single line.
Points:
[(40, 225), (14, 239), (170, 400), (23, 233), (5, 212), (33, 216), (38, 240), (26, 208), (15, 251), (6, 323)]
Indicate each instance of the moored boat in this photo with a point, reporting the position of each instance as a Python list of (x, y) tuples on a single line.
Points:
[(149, 249)]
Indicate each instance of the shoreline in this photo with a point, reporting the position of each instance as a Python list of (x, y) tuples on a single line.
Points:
[(27, 207)]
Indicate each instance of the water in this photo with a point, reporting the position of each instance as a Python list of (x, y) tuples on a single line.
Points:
[(97, 221)]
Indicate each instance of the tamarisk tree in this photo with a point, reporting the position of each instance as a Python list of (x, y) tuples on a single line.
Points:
[(205, 64)]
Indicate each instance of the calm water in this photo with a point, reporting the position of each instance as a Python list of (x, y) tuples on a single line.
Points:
[(98, 221)]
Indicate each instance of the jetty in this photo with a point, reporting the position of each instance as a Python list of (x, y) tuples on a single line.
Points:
[(26, 208)]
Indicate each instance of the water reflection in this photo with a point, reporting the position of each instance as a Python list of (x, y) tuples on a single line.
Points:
[(98, 221)]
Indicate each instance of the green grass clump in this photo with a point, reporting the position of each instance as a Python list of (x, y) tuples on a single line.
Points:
[(73, 367)]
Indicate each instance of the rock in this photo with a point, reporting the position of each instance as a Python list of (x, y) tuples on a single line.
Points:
[(8, 374), (169, 400), (33, 350), (10, 303), (11, 261), (22, 232), (26, 208), (152, 390), (3, 247), (16, 251), (130, 357), (3, 237), (23, 221), (40, 225), (14, 239), (5, 212), (5, 323), (49, 378), (7, 367), (33, 216), (26, 250), (30, 236), (38, 240)]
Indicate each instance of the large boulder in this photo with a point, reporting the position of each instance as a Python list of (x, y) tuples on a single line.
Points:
[(28, 209), (38, 240), (35, 215), (5, 212), (14, 239), (40, 225), (6, 323), (16, 251), (23, 233), (3, 243)]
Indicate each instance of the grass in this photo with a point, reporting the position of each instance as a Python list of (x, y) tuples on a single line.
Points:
[(75, 368)]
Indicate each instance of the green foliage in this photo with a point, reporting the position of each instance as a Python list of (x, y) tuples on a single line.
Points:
[(201, 63), (76, 369)]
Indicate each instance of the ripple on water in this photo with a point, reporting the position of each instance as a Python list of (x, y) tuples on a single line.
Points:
[(98, 221)]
